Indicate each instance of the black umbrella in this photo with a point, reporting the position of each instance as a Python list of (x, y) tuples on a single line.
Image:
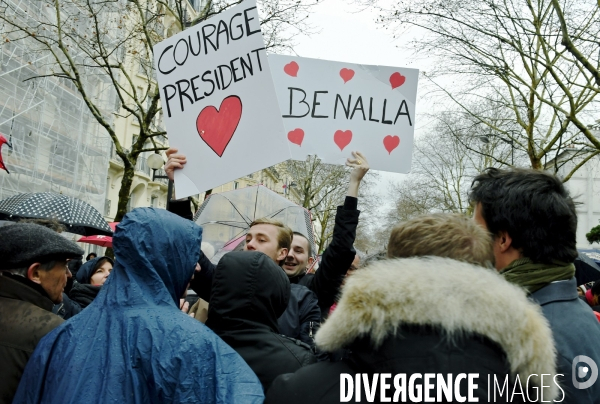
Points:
[(79, 217), (586, 269)]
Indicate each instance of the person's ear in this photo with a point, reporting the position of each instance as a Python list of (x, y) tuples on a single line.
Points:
[(33, 272), (282, 254), (503, 241), (310, 261)]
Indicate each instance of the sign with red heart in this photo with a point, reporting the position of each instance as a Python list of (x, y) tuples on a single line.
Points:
[(216, 127), (344, 107), (346, 74), (219, 101), (296, 136)]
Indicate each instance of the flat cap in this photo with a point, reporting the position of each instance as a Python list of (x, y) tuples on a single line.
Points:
[(22, 244)]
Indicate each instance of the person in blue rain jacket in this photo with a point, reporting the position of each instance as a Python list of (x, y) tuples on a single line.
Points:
[(134, 345)]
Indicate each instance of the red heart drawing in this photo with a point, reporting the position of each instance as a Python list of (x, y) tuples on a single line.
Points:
[(216, 128), (291, 69), (390, 143), (346, 74), (342, 138), (396, 80), (296, 136)]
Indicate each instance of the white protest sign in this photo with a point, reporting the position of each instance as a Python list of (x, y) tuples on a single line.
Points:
[(219, 101), (332, 108)]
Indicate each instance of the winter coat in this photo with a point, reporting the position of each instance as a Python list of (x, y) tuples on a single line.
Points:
[(79, 297), (83, 294), (249, 293), (576, 332), (302, 317), (134, 345), (427, 315), (67, 308), (336, 259), (25, 317)]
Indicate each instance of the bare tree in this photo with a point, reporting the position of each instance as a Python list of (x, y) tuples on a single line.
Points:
[(446, 159), (322, 188), (580, 32), (114, 39), (508, 55)]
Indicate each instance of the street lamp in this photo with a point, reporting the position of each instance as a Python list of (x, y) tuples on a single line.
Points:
[(485, 139), (155, 162)]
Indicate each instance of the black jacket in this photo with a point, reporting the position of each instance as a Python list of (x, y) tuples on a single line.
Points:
[(79, 297), (302, 317), (428, 315), (249, 293), (67, 308), (336, 259), (84, 294)]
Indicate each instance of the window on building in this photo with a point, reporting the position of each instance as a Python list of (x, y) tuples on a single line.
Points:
[(154, 201), (236, 185)]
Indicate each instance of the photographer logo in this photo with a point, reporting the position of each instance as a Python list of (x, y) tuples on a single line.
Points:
[(581, 372)]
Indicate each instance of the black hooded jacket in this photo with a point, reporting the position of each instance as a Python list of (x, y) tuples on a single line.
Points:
[(249, 293), (83, 294)]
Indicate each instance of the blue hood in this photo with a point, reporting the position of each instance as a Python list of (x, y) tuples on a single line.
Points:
[(132, 344)]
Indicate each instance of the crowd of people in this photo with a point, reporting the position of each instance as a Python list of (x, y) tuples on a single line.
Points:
[(494, 295)]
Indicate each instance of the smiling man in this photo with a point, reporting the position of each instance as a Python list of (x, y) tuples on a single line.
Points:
[(340, 255), (33, 276)]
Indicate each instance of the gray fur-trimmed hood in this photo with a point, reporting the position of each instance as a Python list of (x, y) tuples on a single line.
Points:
[(456, 297)]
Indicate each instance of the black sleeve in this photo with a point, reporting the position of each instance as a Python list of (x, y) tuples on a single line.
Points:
[(338, 256), (181, 208), (309, 317), (202, 282)]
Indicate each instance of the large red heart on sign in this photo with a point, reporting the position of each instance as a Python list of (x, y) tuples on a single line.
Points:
[(346, 74), (296, 136), (390, 143), (291, 69), (342, 138), (396, 80), (216, 127)]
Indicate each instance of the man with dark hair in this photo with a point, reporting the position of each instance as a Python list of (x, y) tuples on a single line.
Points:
[(533, 222), (33, 274)]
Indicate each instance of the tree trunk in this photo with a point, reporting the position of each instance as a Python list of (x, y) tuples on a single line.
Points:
[(124, 192)]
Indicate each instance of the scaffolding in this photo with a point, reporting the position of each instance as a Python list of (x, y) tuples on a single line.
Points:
[(58, 145)]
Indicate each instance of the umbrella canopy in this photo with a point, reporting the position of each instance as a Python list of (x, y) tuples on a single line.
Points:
[(102, 241), (79, 217), (226, 217), (586, 268)]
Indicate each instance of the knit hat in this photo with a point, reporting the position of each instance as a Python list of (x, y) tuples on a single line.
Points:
[(22, 244)]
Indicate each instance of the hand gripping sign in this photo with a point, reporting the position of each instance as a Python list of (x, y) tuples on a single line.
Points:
[(218, 100), (330, 108)]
